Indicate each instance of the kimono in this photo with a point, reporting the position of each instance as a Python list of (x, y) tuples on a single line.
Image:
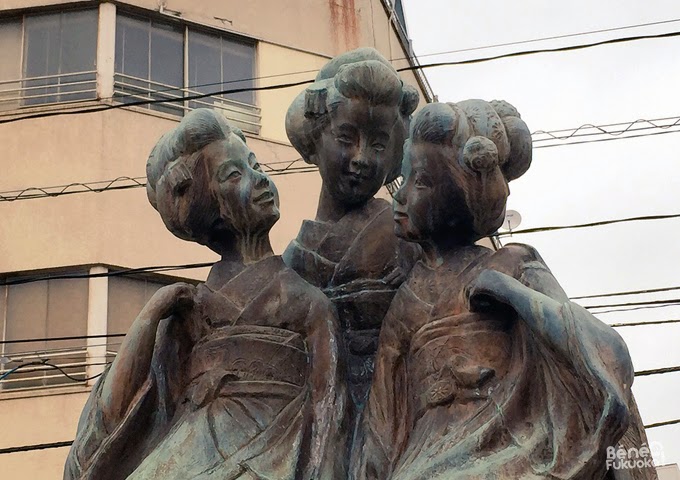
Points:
[(472, 395), (359, 263), (246, 388)]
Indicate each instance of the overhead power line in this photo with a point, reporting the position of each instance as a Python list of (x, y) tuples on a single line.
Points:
[(591, 224), (657, 371), (542, 39), (629, 292), (59, 339), (640, 324), (61, 369), (636, 304), (663, 424), (630, 309), (40, 446), (102, 108), (126, 183), (110, 273), (298, 165), (416, 57)]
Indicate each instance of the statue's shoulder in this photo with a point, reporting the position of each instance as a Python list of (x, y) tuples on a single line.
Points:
[(513, 258)]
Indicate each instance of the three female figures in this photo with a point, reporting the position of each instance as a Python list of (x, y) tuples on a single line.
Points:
[(483, 370)]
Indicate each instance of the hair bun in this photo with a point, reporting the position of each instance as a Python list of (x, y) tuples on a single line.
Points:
[(480, 154)]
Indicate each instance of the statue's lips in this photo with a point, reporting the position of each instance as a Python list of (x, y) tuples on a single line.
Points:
[(399, 216), (264, 197)]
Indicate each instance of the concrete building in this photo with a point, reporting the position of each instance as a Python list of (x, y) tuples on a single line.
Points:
[(669, 472), (62, 57)]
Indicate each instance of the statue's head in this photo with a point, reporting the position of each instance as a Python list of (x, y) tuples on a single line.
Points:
[(207, 185), (352, 123), (457, 165)]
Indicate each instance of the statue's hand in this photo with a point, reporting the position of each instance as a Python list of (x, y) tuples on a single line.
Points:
[(492, 291), (176, 299)]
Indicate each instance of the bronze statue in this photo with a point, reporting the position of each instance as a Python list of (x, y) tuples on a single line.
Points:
[(485, 369), (237, 378), (352, 123)]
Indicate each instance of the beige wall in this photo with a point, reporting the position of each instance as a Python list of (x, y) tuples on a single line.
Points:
[(669, 472), (325, 27), (37, 420), (117, 227)]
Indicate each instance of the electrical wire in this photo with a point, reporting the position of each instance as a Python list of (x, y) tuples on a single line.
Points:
[(113, 273), (272, 168), (554, 37), (657, 371), (591, 224), (61, 339), (630, 309), (305, 82), (45, 363), (629, 292), (663, 424), (635, 304), (40, 446), (640, 324)]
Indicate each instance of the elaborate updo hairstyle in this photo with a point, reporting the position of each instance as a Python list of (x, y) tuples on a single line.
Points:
[(359, 74), (489, 144), (178, 180)]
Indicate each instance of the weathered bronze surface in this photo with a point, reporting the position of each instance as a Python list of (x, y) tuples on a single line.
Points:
[(234, 379), (352, 123), (485, 369)]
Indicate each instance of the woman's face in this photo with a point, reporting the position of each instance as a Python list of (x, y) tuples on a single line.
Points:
[(431, 200), (358, 149), (248, 200)]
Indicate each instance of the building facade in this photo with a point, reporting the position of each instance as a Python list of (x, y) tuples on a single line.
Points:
[(86, 89)]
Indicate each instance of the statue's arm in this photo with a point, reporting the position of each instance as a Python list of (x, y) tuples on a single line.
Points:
[(540, 302), (130, 368)]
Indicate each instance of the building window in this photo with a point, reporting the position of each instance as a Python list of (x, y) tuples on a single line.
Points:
[(127, 297), (48, 58), (149, 62), (163, 61), (36, 311)]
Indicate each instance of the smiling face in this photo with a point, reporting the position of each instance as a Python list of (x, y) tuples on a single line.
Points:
[(358, 149), (431, 201), (248, 200)]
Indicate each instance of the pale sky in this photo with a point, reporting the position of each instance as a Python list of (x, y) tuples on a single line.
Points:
[(584, 183)]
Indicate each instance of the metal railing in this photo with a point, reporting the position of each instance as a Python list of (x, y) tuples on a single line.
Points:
[(48, 90), (129, 89), (34, 377)]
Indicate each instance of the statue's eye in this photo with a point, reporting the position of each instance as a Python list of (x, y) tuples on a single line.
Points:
[(378, 147), (422, 181), (344, 139), (257, 167), (227, 172)]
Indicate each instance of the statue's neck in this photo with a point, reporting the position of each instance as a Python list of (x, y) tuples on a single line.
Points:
[(331, 209), (444, 248), (243, 250)]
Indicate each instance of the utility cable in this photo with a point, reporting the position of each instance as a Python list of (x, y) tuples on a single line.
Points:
[(102, 108), (591, 224)]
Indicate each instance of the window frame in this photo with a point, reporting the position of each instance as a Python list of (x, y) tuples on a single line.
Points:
[(20, 100), (244, 115)]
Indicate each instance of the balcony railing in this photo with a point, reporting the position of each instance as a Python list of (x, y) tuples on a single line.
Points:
[(129, 89), (40, 376), (48, 90)]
